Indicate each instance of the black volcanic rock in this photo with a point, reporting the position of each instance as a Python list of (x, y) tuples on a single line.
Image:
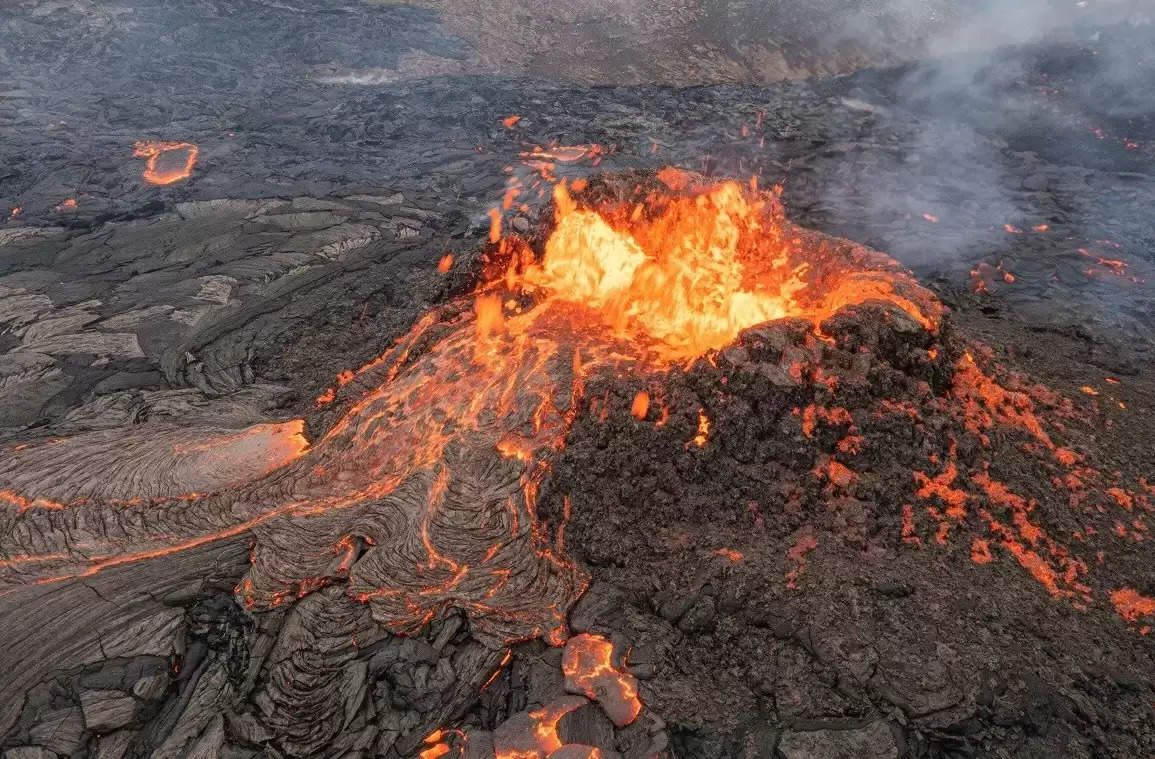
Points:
[(344, 148)]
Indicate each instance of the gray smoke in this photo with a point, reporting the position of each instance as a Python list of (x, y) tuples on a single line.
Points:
[(982, 129)]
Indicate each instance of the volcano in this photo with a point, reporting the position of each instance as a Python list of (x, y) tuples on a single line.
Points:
[(363, 397), (666, 366)]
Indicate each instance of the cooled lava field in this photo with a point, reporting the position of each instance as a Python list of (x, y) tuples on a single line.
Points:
[(622, 380)]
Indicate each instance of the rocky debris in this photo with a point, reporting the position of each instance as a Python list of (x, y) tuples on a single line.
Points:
[(586, 725), (60, 731), (114, 745), (699, 617), (874, 741), (29, 752), (819, 517)]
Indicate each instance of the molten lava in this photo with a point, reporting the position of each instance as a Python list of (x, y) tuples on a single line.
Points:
[(155, 151), (589, 670), (423, 496), (533, 734), (682, 273)]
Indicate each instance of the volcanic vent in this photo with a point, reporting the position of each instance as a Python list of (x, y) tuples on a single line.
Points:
[(667, 366), (424, 494)]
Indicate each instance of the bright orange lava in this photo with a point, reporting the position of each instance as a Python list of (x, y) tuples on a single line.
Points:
[(1131, 605), (640, 405), (153, 150), (683, 273)]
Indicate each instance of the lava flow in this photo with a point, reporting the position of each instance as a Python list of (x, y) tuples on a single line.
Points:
[(422, 497)]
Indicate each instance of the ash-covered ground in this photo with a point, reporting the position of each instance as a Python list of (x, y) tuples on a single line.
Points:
[(770, 603)]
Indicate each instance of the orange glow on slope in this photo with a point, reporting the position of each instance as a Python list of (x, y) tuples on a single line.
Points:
[(153, 150), (1131, 605), (797, 555), (1047, 561), (986, 406), (833, 416), (640, 405), (703, 433), (985, 402), (981, 552), (940, 486)]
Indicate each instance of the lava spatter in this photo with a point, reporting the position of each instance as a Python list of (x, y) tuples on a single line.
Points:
[(700, 265)]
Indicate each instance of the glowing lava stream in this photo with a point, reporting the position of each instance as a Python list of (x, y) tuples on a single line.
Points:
[(423, 496)]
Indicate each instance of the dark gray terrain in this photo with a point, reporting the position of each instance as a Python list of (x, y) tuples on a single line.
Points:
[(344, 148)]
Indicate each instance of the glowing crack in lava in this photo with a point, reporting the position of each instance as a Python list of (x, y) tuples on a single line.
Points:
[(589, 670), (156, 152), (423, 496)]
